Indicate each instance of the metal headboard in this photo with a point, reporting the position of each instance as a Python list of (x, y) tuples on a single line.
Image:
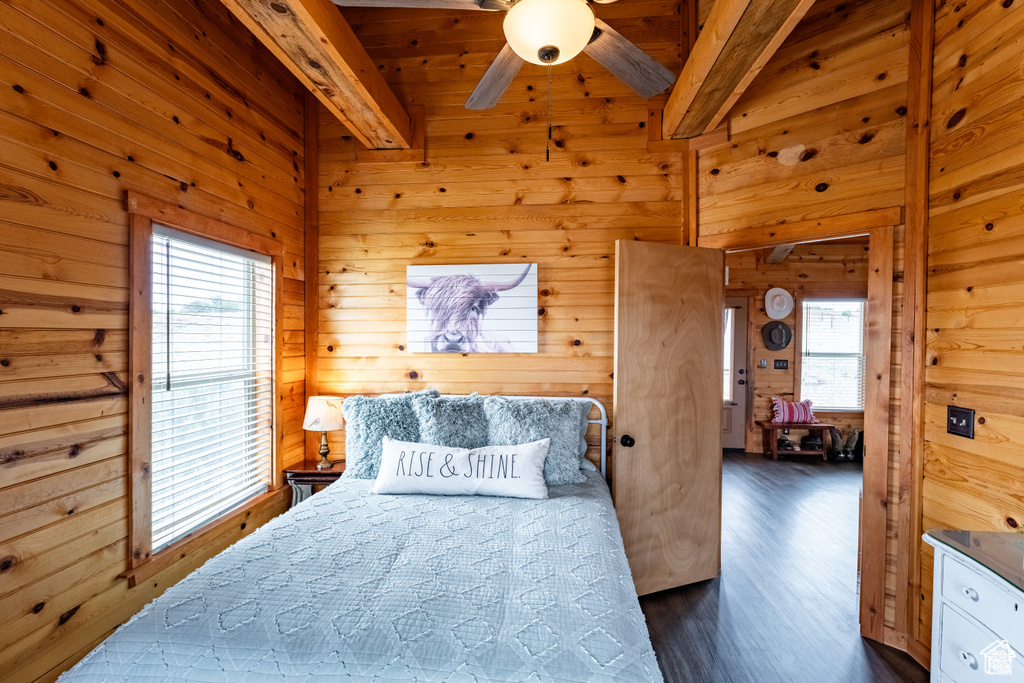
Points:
[(602, 420)]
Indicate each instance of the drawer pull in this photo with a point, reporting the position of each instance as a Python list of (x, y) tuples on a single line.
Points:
[(969, 593), (968, 660)]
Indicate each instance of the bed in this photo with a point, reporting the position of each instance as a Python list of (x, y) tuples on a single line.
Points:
[(350, 585)]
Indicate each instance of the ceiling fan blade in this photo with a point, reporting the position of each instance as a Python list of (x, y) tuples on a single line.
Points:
[(416, 4), (496, 79), (630, 64)]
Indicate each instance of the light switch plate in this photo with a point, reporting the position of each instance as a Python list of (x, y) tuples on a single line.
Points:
[(960, 421), (781, 364)]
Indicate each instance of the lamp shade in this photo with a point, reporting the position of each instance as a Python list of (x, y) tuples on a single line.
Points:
[(549, 31), (323, 414)]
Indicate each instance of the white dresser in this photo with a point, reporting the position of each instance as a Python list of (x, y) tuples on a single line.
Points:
[(978, 606)]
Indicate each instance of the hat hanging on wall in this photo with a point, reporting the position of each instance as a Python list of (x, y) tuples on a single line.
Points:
[(778, 303), (776, 335)]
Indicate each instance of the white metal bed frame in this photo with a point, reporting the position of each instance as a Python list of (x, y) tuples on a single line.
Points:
[(602, 421)]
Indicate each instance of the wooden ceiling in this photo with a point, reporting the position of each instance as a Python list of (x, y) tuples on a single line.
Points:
[(316, 43)]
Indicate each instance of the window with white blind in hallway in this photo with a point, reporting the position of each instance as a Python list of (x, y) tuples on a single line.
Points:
[(213, 380), (832, 358)]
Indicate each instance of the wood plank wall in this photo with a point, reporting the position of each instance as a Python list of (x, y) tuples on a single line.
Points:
[(173, 100), (975, 275), (486, 194), (820, 133), (824, 269)]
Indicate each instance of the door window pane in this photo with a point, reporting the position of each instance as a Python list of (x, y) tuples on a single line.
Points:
[(728, 316)]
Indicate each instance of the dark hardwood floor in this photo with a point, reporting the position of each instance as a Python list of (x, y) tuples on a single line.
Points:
[(784, 607)]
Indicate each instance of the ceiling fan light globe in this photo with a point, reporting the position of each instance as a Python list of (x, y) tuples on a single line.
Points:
[(532, 27)]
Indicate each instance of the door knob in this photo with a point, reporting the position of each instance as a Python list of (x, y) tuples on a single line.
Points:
[(627, 441)]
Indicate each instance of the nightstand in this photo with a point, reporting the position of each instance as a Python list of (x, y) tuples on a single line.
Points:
[(305, 479)]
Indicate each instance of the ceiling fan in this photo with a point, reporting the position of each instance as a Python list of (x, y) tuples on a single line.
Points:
[(548, 32)]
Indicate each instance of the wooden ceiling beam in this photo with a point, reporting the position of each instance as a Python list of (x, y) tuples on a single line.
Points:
[(738, 39), (778, 254), (315, 42)]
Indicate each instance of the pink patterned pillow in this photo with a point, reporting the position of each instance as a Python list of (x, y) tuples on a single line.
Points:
[(790, 411)]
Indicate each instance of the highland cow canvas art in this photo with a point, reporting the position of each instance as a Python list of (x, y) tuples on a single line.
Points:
[(472, 308)]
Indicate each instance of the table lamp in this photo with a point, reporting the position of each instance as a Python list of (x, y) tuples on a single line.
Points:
[(323, 414)]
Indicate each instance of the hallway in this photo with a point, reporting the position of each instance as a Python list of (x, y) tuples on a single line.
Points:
[(784, 607)]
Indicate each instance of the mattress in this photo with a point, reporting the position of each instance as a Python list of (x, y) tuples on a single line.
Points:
[(349, 585)]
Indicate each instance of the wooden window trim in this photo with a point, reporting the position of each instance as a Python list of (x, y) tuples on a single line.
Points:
[(198, 538), (143, 212)]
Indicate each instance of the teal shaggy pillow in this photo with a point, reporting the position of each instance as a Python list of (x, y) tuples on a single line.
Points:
[(511, 422), (454, 421), (368, 419)]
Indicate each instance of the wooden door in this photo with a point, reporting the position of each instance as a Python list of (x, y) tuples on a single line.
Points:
[(667, 463), (734, 389)]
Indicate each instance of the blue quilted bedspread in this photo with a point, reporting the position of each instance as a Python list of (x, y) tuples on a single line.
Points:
[(355, 586)]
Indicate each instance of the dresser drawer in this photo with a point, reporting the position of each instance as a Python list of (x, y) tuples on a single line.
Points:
[(962, 643), (999, 610)]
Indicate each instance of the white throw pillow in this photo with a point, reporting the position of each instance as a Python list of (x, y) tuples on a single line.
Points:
[(512, 471)]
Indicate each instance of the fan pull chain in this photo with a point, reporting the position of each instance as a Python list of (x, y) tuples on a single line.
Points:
[(547, 150)]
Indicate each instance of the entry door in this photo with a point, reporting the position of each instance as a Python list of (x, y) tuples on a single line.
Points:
[(734, 373), (667, 463)]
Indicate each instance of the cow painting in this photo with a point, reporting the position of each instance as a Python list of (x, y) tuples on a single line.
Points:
[(453, 303)]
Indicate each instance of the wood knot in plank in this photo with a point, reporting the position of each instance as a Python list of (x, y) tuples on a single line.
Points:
[(67, 615), (956, 118), (100, 58)]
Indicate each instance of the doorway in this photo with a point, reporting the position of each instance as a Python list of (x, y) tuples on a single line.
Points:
[(873, 518), (735, 373)]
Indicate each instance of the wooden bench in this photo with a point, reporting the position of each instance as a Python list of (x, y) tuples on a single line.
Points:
[(771, 436)]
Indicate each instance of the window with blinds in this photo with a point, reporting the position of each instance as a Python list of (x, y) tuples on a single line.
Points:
[(832, 355), (213, 380)]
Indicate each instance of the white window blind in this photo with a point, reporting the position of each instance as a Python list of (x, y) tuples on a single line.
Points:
[(213, 380), (832, 360)]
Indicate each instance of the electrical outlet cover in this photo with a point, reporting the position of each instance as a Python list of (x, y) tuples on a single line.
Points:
[(960, 421)]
